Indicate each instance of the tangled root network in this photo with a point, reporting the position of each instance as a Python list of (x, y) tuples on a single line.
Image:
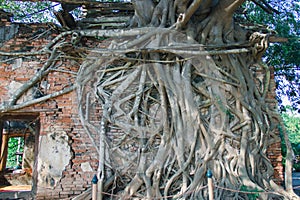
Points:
[(164, 111)]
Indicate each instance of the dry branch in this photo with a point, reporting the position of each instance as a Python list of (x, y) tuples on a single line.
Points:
[(8, 108)]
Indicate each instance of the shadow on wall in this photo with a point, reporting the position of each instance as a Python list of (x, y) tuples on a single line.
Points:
[(3, 180)]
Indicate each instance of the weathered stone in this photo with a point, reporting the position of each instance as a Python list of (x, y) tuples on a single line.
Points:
[(17, 64), (54, 156), (86, 167), (8, 32), (14, 86)]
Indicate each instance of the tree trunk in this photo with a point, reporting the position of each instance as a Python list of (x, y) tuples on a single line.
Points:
[(176, 107)]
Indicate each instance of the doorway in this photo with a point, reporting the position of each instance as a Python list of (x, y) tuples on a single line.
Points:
[(19, 133)]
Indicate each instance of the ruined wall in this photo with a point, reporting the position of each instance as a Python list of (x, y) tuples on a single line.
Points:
[(274, 151), (66, 159)]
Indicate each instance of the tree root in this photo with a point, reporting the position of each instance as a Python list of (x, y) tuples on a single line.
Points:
[(173, 146)]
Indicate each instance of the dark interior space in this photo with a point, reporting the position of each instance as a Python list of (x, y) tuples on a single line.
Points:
[(18, 137)]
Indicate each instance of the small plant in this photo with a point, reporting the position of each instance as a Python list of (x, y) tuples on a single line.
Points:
[(15, 145), (252, 194), (291, 122)]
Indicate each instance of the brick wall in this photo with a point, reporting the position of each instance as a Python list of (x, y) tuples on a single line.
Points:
[(60, 114), (274, 150)]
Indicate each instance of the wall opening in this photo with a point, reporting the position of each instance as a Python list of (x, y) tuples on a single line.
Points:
[(19, 135)]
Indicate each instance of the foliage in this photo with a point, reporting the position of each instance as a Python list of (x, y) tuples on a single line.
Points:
[(33, 12), (292, 126), (29, 12), (292, 123), (15, 144), (252, 194)]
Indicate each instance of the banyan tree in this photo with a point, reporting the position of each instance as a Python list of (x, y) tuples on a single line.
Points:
[(173, 95)]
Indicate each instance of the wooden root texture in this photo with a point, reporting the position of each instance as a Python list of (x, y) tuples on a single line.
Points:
[(168, 117), (177, 101)]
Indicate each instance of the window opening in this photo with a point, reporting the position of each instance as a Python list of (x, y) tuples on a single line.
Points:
[(15, 153), (19, 135)]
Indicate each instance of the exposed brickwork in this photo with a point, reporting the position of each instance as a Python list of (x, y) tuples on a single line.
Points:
[(274, 151), (61, 112)]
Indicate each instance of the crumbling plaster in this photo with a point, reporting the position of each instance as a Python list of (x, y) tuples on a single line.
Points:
[(54, 155)]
